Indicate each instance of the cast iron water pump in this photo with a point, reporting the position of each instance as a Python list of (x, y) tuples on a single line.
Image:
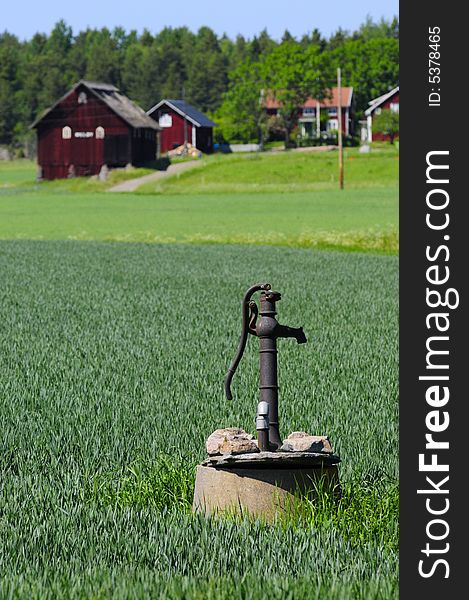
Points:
[(267, 329)]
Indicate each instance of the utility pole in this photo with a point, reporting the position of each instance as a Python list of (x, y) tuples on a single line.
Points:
[(339, 133), (184, 152), (259, 121)]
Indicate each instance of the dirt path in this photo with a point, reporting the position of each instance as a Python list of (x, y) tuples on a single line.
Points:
[(132, 184)]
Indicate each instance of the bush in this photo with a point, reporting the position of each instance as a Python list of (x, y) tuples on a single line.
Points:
[(327, 140)]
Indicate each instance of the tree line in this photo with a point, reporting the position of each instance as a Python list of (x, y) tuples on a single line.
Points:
[(225, 78)]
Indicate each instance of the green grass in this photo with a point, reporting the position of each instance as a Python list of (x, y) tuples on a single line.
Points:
[(283, 172), (360, 220), (17, 172), (112, 358), (221, 202), (366, 510), (20, 175)]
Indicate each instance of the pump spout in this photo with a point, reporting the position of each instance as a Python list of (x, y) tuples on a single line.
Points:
[(283, 331)]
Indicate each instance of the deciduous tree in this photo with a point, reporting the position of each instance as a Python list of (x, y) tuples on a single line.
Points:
[(291, 75)]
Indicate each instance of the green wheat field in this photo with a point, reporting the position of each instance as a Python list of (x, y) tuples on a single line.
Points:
[(112, 359)]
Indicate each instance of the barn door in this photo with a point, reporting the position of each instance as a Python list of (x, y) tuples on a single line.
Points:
[(84, 156), (117, 150)]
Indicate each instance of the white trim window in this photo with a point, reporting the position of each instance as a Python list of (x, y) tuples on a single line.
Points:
[(165, 120), (332, 125), (309, 111), (66, 133), (99, 133), (394, 106)]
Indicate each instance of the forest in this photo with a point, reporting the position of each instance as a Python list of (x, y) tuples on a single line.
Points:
[(226, 78)]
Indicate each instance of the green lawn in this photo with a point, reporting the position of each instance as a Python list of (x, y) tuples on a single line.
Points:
[(112, 358), (16, 172), (225, 201), (363, 219)]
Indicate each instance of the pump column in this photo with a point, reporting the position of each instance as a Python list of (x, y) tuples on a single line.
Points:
[(268, 363)]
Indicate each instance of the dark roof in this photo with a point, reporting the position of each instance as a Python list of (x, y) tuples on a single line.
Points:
[(187, 110), (130, 112)]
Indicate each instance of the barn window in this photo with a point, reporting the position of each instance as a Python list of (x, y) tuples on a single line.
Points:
[(66, 132), (100, 133), (82, 98), (166, 120), (394, 106)]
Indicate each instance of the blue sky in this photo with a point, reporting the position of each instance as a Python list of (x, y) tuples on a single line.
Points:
[(24, 18)]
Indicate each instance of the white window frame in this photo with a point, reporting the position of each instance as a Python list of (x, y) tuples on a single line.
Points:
[(66, 133), (165, 120)]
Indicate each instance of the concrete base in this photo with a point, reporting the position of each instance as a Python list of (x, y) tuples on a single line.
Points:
[(265, 491)]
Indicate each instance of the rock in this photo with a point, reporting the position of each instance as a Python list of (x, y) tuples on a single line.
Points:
[(230, 440), (103, 173), (300, 441)]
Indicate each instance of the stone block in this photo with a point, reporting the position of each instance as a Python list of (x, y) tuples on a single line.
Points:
[(230, 440), (300, 441)]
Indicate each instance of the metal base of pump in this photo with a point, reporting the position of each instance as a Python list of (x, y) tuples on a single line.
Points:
[(265, 484)]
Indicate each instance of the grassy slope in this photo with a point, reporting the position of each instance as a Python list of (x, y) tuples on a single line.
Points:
[(111, 354), (362, 217), (284, 172)]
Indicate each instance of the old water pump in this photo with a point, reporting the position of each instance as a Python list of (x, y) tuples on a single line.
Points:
[(263, 324), (263, 478)]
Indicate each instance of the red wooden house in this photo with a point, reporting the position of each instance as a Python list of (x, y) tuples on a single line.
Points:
[(390, 101), (310, 123), (90, 126), (180, 122)]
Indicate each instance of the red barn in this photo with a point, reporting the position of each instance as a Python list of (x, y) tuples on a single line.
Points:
[(180, 122), (91, 126), (390, 101)]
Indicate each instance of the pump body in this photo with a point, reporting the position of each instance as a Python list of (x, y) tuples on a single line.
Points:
[(268, 330)]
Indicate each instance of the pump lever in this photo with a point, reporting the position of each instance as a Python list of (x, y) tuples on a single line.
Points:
[(246, 328)]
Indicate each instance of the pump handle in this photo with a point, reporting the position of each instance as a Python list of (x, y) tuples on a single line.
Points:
[(244, 335)]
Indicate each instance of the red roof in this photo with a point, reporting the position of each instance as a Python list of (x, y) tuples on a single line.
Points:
[(346, 97)]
